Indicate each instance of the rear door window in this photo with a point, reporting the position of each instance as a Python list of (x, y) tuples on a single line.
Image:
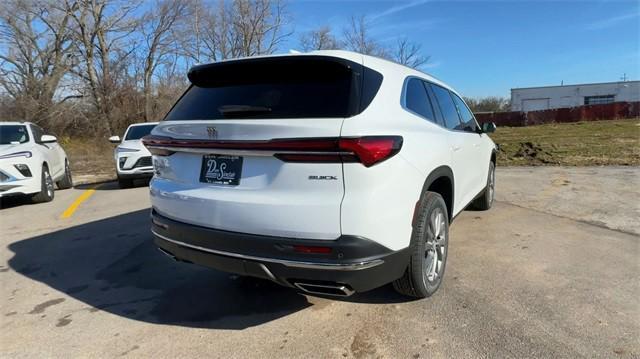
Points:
[(447, 107), (417, 100), (288, 87)]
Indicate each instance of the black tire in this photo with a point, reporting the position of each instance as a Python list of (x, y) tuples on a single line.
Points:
[(421, 279), (66, 181), (485, 201), (46, 193), (125, 182)]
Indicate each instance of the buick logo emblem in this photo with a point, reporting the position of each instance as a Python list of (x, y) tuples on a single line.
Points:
[(212, 132)]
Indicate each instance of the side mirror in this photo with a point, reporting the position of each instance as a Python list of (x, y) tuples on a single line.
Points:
[(114, 139), (488, 127), (48, 139)]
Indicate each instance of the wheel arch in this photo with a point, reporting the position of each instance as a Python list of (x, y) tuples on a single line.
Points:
[(440, 180)]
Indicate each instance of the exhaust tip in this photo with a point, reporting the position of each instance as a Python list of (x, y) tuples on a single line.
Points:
[(333, 289)]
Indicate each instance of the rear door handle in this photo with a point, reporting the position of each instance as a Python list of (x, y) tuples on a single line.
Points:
[(455, 148)]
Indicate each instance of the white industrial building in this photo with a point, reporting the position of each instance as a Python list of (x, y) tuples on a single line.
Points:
[(550, 97)]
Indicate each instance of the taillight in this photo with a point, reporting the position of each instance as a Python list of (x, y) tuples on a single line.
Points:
[(367, 150), (155, 145), (372, 150)]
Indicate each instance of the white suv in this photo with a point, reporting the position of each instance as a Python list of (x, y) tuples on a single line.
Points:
[(31, 162), (331, 171), (133, 160)]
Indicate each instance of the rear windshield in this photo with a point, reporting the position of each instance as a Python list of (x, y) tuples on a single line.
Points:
[(287, 87), (13, 134), (137, 132)]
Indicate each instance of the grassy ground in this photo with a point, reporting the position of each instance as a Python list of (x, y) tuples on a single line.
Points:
[(90, 156), (570, 144)]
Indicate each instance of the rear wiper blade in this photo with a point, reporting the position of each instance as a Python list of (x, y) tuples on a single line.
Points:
[(242, 109)]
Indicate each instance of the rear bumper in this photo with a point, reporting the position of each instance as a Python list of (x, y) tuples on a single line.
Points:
[(357, 263)]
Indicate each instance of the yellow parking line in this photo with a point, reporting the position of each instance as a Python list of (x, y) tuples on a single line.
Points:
[(72, 208)]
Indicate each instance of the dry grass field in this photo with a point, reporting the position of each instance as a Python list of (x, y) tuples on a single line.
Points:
[(595, 143), (90, 156)]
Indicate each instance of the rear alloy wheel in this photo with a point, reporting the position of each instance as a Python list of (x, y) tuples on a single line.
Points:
[(436, 249), (46, 192), (485, 201), (430, 245), (66, 181)]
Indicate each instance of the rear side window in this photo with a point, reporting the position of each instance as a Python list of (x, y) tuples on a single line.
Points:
[(417, 100), (447, 107), (286, 87), (468, 121)]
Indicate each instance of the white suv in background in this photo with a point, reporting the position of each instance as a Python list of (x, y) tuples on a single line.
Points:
[(133, 160), (331, 171), (31, 162)]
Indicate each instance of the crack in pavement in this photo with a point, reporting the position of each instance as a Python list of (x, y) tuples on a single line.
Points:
[(583, 221)]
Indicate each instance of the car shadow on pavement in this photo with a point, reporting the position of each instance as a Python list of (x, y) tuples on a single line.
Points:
[(112, 265), (113, 185), (15, 201)]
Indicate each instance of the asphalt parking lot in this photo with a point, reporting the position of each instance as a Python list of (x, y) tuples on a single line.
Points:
[(551, 271)]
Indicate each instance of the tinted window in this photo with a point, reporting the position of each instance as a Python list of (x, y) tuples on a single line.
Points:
[(13, 133), (290, 87), (447, 107), (137, 132), (417, 100), (468, 121), (37, 133)]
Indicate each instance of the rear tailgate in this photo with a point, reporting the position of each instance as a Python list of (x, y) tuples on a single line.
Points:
[(272, 197), (258, 119)]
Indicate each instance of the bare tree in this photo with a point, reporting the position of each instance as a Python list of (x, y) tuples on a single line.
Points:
[(160, 31), (258, 26), (239, 28), (409, 54), (36, 43), (218, 38), (357, 38), (102, 30), (69, 63), (319, 39)]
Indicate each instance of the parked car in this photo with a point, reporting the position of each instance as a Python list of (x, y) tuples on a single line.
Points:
[(332, 172), (133, 160), (31, 162)]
